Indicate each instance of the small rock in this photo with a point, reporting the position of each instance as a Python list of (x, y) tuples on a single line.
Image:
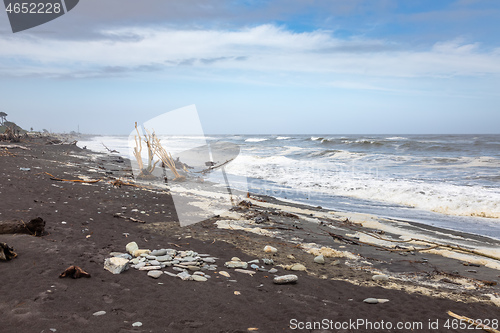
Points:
[(235, 259), (178, 269), (254, 266), (155, 274), (380, 277), (236, 264), (268, 261), (139, 265), (199, 278), (371, 300), (270, 249), (185, 276), (137, 324), (290, 256), (273, 270), (223, 273), (335, 263), (319, 259), (164, 258), (116, 265), (255, 261), (150, 257), (158, 253), (154, 263), (244, 271), (138, 253), (170, 274), (290, 278), (150, 268), (382, 300), (298, 267), (131, 247), (134, 261), (209, 260), (99, 313)]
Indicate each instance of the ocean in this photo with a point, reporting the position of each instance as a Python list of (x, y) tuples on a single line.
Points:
[(447, 181)]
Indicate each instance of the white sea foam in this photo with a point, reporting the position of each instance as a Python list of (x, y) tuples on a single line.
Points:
[(256, 139), (396, 138), (283, 138), (361, 182)]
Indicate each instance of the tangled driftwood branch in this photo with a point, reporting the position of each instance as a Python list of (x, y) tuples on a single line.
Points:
[(73, 180), (148, 139), (164, 156)]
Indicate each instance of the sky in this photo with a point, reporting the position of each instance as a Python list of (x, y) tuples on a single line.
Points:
[(259, 67)]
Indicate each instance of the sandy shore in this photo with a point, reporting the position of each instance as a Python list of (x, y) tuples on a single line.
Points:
[(82, 230)]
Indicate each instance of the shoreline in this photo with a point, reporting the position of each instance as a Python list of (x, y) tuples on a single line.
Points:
[(458, 223), (334, 290)]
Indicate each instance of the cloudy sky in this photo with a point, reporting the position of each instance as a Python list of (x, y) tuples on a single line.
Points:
[(259, 67)]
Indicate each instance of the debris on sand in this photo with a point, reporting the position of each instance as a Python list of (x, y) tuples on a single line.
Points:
[(75, 272), (6, 252)]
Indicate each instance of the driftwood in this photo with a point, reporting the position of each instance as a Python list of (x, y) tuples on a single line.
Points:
[(13, 147), (6, 252), (432, 245), (120, 215), (111, 151), (34, 227), (72, 180), (343, 238), (474, 323), (75, 272)]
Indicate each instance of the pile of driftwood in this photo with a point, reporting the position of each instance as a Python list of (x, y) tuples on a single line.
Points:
[(154, 148), (11, 134)]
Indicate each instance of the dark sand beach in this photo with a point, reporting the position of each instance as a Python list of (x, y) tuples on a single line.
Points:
[(421, 286)]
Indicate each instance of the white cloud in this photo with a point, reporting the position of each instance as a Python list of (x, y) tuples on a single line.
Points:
[(264, 48)]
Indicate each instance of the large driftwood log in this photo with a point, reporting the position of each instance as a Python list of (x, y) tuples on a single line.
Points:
[(34, 227)]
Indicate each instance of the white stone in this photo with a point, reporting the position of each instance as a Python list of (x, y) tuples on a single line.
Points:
[(150, 268), (116, 265), (236, 264), (224, 273), (270, 249), (245, 271), (137, 324), (298, 267), (185, 276), (131, 247), (155, 274), (198, 278), (99, 313), (319, 259), (371, 300), (290, 278)]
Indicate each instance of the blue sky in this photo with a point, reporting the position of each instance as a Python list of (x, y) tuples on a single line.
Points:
[(259, 67)]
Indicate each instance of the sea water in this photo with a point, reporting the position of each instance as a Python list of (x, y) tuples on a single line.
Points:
[(448, 181)]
